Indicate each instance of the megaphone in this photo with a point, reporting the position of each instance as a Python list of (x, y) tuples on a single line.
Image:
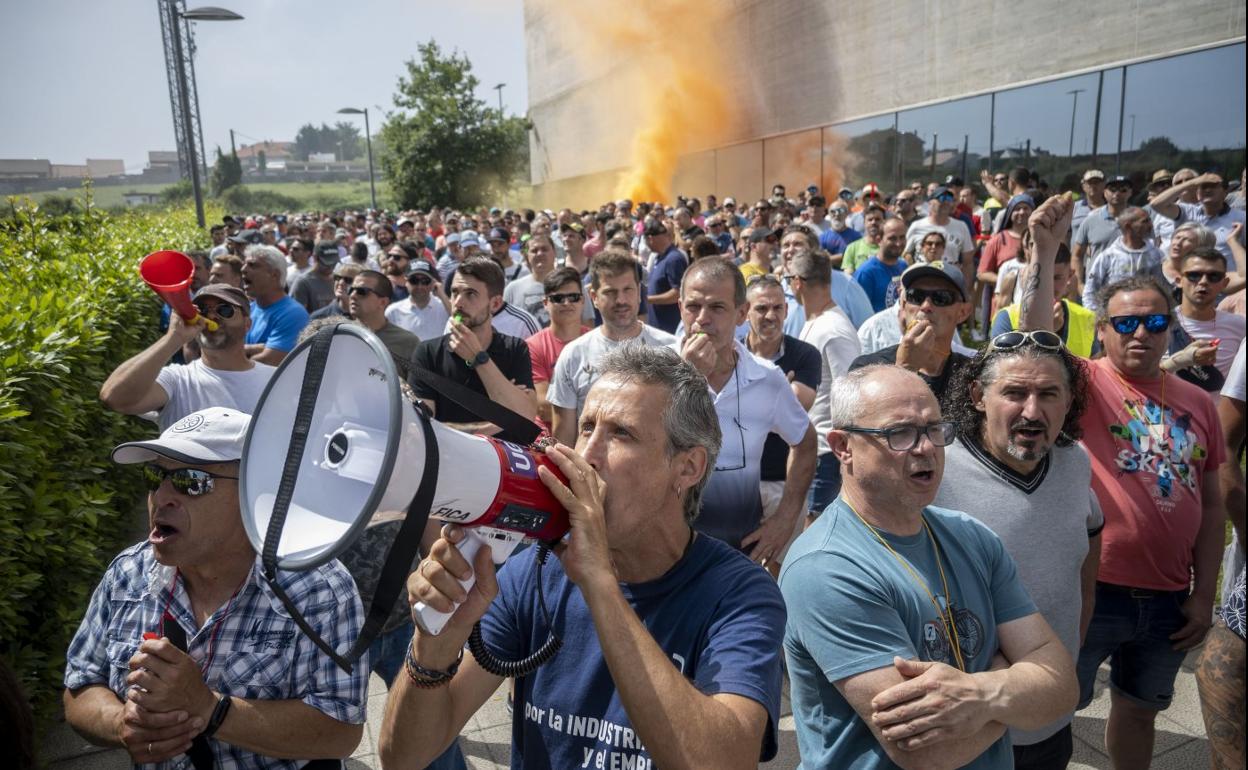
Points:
[(358, 446), (169, 273)]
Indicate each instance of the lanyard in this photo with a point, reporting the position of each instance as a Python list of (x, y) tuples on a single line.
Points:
[(216, 626), (945, 614)]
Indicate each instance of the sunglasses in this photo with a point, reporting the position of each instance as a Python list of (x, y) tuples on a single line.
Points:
[(1154, 323), (1192, 276), (191, 482), (357, 290), (939, 297), (1041, 338), (422, 281), (225, 311), (563, 299), (944, 198), (933, 244)]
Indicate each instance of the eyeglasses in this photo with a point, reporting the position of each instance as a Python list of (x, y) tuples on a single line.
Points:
[(1194, 276), (226, 311), (1154, 323), (933, 244), (356, 290), (343, 279), (939, 297), (944, 198), (1041, 338), (903, 438), (191, 482), (563, 299), (421, 281)]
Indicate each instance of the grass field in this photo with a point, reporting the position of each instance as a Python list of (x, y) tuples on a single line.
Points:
[(310, 194)]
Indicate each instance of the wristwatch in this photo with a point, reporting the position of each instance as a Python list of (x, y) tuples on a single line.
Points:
[(480, 359)]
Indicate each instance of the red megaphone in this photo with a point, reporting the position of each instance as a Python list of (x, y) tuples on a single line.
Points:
[(168, 273)]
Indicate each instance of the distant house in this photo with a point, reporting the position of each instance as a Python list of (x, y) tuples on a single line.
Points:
[(162, 160), (17, 169), (140, 198), (102, 168), (249, 154)]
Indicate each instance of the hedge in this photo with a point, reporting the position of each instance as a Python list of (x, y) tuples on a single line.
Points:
[(71, 309)]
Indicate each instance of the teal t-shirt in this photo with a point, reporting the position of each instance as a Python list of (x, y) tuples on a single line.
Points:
[(852, 607)]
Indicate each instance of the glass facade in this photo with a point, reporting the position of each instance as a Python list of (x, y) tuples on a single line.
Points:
[(1179, 111)]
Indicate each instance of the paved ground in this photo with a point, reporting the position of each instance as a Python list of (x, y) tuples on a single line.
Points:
[(1181, 743)]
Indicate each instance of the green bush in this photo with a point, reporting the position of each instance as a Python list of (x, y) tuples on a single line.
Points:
[(243, 199), (72, 308)]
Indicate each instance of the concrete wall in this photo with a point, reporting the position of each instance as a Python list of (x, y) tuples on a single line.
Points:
[(798, 64)]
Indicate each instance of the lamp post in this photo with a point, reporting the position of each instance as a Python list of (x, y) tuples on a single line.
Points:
[(206, 13), (1070, 152), (368, 139), (499, 88)]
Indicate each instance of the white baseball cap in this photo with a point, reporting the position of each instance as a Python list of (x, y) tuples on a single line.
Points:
[(213, 435)]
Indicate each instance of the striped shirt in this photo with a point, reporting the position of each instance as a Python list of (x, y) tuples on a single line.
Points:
[(251, 647)]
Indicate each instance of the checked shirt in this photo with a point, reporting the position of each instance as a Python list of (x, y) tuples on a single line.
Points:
[(253, 651)]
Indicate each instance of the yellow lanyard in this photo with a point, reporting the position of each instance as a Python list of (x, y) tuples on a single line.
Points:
[(946, 617)]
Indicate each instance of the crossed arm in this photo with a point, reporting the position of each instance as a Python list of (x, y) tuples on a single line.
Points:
[(930, 715)]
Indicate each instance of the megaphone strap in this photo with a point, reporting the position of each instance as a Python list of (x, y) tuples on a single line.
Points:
[(515, 427), (314, 372)]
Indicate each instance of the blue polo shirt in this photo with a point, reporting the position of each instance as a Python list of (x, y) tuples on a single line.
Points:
[(876, 278), (278, 325), (668, 269)]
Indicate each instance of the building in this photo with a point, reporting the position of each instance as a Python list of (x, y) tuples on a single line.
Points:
[(249, 155), (22, 169), (103, 168), (162, 160), (831, 93)]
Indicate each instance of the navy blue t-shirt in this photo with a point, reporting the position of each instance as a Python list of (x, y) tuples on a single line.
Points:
[(804, 361), (718, 616), (668, 269)]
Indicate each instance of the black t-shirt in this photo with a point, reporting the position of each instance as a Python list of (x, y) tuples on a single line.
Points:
[(938, 384), (509, 354), (803, 360)]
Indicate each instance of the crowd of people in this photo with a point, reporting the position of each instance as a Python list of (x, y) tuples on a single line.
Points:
[(933, 456)]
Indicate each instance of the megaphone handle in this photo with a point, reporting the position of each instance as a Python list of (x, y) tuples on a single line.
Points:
[(431, 621), (208, 323)]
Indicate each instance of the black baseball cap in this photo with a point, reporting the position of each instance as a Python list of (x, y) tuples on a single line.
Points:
[(246, 236), (1119, 179), (499, 234)]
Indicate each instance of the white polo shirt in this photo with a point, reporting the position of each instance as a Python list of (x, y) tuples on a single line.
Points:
[(755, 401), (427, 322)]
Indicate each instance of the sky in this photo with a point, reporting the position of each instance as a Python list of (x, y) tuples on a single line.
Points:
[(86, 78)]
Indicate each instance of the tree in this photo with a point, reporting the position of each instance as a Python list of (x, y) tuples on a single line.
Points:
[(443, 145), (226, 172), (262, 161), (342, 139)]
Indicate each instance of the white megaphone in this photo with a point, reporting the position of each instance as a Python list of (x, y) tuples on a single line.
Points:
[(364, 448)]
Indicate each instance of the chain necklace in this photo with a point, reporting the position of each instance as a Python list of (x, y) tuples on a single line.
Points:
[(945, 615)]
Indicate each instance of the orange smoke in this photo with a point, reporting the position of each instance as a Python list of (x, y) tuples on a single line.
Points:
[(671, 93)]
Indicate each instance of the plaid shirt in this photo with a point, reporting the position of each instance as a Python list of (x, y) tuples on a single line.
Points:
[(258, 653)]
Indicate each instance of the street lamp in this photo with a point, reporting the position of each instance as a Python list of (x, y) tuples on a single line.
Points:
[(207, 13), (499, 88), (1070, 152), (368, 138)]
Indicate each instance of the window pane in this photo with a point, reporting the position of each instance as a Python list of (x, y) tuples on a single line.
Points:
[(1199, 124), (945, 140), (858, 152), (1042, 126), (792, 160)]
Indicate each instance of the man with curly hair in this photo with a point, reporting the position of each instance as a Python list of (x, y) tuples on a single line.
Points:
[(1015, 467)]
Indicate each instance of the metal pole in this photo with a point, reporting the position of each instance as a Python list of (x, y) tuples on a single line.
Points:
[(1122, 107), (966, 146), (233, 151), (190, 142), (935, 152), (992, 132), (1070, 151), (1096, 121), (368, 140), (1131, 144)]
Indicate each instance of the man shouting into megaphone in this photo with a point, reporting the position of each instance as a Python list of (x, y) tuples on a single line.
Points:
[(657, 621)]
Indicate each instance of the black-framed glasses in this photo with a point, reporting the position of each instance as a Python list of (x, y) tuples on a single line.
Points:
[(563, 299), (939, 297), (903, 438), (191, 482), (222, 310), (1154, 323), (1041, 338), (357, 290), (1194, 276), (343, 279), (740, 428)]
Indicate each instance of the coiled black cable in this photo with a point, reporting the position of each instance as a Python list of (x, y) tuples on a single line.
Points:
[(527, 665)]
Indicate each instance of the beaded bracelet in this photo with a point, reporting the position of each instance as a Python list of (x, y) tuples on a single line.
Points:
[(428, 678)]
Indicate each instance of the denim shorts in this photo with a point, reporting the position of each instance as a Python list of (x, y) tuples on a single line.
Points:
[(826, 486), (1132, 627), (1052, 753)]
